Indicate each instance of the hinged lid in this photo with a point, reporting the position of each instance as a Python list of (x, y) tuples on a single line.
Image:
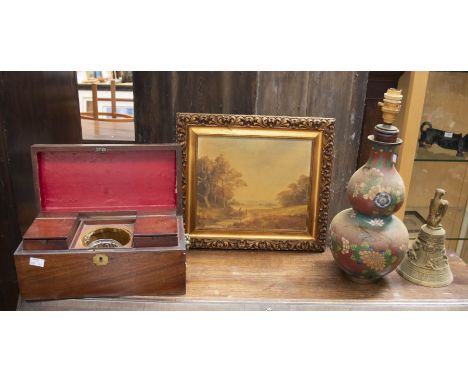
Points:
[(107, 177)]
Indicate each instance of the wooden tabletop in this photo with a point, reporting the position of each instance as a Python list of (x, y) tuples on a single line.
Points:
[(247, 280)]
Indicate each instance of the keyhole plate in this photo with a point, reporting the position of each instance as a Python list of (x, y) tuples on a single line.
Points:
[(100, 259)]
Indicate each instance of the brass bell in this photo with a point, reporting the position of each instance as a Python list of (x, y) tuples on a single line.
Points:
[(426, 262)]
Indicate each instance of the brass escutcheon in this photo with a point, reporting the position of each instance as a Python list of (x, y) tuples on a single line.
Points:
[(100, 259)]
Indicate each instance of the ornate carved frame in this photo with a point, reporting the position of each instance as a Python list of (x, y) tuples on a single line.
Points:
[(321, 130)]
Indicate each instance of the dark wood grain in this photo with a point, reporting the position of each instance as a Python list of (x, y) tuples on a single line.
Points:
[(73, 273), (66, 275), (10, 234), (42, 107), (155, 225), (35, 107), (248, 280), (158, 96), (159, 268), (50, 233), (155, 231), (283, 93), (50, 228)]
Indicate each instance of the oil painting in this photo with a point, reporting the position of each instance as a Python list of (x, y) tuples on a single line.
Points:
[(255, 182), (271, 195)]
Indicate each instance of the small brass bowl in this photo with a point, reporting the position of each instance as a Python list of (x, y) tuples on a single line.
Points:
[(106, 237)]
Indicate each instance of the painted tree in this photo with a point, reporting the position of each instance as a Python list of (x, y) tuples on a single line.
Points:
[(217, 181), (296, 193)]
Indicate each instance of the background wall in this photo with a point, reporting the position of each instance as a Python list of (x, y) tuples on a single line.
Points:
[(35, 107), (159, 95), (446, 102)]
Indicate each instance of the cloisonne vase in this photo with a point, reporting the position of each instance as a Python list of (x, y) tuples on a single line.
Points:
[(367, 241)]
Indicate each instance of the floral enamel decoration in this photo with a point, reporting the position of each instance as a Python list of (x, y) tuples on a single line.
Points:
[(367, 240), (345, 245), (376, 222), (374, 260)]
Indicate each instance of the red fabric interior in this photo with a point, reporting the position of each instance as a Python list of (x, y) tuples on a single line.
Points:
[(109, 181)]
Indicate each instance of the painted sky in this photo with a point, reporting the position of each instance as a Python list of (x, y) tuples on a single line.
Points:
[(268, 165)]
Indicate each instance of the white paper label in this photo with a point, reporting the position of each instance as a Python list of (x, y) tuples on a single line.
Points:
[(36, 262), (394, 158), (448, 135)]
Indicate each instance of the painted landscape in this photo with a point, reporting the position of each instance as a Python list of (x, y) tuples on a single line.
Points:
[(245, 185)]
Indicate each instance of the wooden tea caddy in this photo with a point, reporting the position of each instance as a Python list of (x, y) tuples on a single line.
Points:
[(110, 223)]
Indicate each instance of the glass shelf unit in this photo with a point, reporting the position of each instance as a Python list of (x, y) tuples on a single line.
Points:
[(415, 218), (438, 154), (435, 167)]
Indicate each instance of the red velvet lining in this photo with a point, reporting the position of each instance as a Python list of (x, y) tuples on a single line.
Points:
[(109, 181)]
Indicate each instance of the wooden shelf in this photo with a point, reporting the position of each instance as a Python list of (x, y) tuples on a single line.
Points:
[(245, 280), (438, 154)]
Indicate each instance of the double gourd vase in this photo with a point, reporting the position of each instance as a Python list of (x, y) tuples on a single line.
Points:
[(367, 241)]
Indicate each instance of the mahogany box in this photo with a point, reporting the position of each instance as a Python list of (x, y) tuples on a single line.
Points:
[(109, 224)]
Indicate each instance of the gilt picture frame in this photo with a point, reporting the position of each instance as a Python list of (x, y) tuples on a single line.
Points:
[(256, 182)]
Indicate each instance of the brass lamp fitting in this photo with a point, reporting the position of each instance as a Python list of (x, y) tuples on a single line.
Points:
[(391, 105)]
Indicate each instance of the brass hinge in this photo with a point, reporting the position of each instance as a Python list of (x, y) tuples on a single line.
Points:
[(187, 240)]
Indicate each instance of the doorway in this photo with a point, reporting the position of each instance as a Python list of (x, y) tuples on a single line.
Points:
[(106, 106)]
